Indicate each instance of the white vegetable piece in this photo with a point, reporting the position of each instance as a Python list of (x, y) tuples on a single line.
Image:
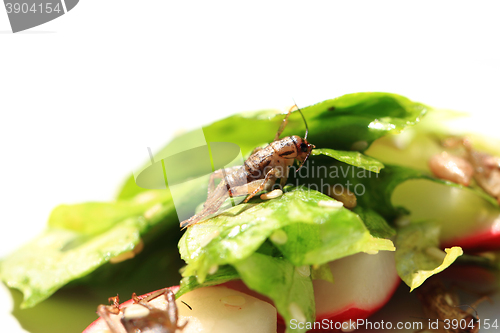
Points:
[(363, 283), (221, 310), (214, 310)]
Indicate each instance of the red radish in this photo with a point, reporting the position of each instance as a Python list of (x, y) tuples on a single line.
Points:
[(481, 240), (466, 219), (211, 308), (363, 283)]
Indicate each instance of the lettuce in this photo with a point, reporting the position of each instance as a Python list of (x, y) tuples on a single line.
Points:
[(348, 122), (311, 234), (274, 237), (78, 240), (288, 286), (418, 256), (352, 158)]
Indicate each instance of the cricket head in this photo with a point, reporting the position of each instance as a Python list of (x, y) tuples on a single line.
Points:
[(304, 149)]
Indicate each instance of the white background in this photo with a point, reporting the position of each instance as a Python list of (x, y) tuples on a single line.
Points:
[(82, 97)]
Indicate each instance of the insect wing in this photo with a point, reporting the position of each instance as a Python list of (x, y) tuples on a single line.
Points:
[(180, 167)]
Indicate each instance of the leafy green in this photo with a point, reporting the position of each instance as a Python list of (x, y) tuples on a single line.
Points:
[(348, 122), (277, 246), (80, 240), (322, 272), (375, 223), (354, 121), (352, 158), (289, 287), (84, 237), (488, 260), (418, 256), (95, 217), (375, 190), (222, 275), (46, 263), (457, 210), (314, 234), (414, 147)]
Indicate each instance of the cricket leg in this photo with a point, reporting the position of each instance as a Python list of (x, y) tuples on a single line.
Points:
[(211, 206), (104, 312), (169, 297), (246, 189), (218, 174), (284, 123), (143, 300), (283, 182), (284, 175), (473, 306), (172, 311), (268, 181)]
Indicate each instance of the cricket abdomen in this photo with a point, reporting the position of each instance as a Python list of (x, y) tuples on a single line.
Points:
[(265, 159)]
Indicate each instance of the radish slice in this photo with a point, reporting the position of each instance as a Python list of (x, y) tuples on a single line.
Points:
[(363, 283), (214, 309), (466, 219), (220, 309)]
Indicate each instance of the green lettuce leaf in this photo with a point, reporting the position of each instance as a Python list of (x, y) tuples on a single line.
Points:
[(289, 287), (375, 223), (85, 236), (303, 231), (354, 158), (222, 275), (402, 192), (418, 256), (50, 261), (488, 260), (322, 272), (348, 122), (376, 190), (413, 148), (95, 217), (80, 239)]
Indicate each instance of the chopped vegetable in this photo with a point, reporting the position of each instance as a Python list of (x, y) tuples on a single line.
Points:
[(367, 185)]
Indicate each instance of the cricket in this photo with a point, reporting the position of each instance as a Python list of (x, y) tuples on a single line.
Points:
[(443, 304), (259, 172), (141, 316)]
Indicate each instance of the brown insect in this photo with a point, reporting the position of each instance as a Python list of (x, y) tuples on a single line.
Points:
[(486, 170), (141, 317), (483, 167), (443, 305), (259, 172)]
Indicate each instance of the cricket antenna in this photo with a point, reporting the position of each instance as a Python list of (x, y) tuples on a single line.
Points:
[(305, 122), (476, 318), (304, 118), (190, 308)]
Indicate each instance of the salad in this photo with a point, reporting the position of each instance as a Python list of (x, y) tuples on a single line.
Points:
[(388, 194)]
